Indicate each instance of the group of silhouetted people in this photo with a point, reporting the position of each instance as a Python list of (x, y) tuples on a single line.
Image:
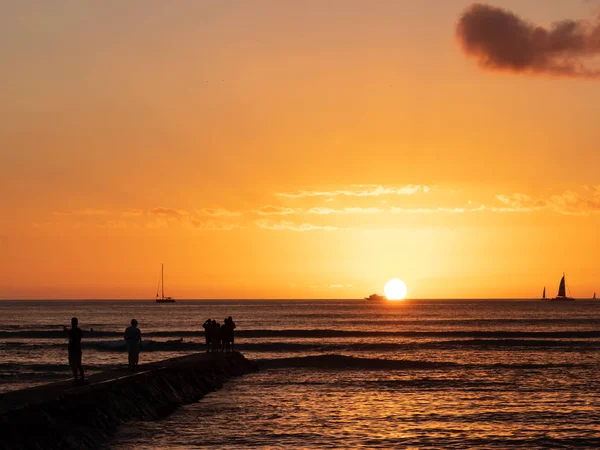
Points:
[(219, 337)]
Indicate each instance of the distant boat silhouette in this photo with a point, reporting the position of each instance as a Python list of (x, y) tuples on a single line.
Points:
[(594, 297), (562, 292), (161, 287), (544, 293), (376, 298)]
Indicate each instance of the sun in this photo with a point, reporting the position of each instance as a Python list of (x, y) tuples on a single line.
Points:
[(395, 289)]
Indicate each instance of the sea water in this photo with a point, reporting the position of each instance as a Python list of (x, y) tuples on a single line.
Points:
[(345, 374)]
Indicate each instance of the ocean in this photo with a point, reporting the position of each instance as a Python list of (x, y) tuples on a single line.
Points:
[(343, 373)]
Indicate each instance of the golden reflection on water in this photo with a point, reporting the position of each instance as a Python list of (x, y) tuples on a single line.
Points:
[(299, 408)]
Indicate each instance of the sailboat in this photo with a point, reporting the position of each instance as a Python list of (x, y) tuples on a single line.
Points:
[(544, 294), (594, 297), (562, 292), (161, 287)]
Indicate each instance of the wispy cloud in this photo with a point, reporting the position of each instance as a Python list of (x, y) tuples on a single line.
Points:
[(354, 210), (360, 190), (218, 212), (291, 226), (569, 203), (330, 286), (132, 213), (275, 210), (168, 212), (395, 210), (212, 225), (519, 203), (82, 212)]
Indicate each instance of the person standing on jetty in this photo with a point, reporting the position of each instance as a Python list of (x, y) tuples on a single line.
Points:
[(133, 339), (206, 326), (75, 335), (232, 327), (227, 334)]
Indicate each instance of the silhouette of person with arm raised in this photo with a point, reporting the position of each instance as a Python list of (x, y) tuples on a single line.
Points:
[(133, 339), (75, 335), (206, 326)]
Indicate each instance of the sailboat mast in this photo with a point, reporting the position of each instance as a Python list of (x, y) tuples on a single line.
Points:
[(162, 277)]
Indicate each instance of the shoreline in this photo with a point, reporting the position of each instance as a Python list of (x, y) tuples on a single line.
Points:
[(60, 415)]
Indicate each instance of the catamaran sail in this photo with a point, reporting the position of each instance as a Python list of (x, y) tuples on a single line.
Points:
[(561, 288), (544, 293), (562, 291), (594, 297)]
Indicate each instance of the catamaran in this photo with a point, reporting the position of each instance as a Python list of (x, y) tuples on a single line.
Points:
[(161, 288), (594, 297), (544, 294), (562, 292)]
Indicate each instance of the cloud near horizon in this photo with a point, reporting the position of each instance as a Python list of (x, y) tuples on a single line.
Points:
[(568, 203), (351, 210), (83, 212), (218, 212), (501, 40), (275, 211), (585, 202), (291, 226), (360, 190), (168, 212), (212, 225)]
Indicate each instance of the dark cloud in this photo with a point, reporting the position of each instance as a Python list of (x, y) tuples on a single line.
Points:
[(501, 40)]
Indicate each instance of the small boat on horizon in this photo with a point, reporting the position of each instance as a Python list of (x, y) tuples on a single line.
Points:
[(562, 292), (594, 297), (376, 298), (161, 288), (544, 294)]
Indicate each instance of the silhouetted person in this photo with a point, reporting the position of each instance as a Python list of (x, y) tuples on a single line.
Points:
[(75, 335), (214, 336), (206, 326), (219, 334), (225, 335), (133, 339), (232, 326)]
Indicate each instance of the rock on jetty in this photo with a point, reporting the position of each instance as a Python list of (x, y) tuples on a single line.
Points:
[(62, 416)]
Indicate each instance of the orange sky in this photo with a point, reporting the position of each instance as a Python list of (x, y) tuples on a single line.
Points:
[(287, 150)]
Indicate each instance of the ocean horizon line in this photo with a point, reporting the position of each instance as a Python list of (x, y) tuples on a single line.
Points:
[(250, 299)]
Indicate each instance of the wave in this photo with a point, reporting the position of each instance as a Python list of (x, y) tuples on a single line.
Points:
[(325, 333), (60, 334), (335, 361), (48, 367), (322, 333), (286, 347), (391, 346), (340, 362)]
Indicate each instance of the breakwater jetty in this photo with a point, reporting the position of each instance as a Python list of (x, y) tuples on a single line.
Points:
[(63, 416)]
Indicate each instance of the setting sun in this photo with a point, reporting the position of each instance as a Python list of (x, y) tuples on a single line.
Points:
[(395, 289)]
